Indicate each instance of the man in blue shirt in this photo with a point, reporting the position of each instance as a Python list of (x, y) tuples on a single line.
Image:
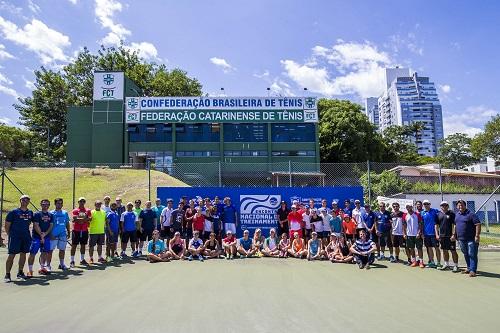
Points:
[(468, 230), (147, 219), (245, 248), (383, 227), (369, 220), (42, 225), (60, 232), (229, 216), (17, 227), (347, 208), (128, 221), (430, 219), (112, 230), (158, 209)]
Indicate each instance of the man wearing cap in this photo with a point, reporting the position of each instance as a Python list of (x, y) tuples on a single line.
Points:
[(430, 217), (229, 245), (17, 227), (445, 228), (467, 231), (106, 208), (295, 220), (336, 209), (357, 215), (166, 220), (96, 231), (324, 206), (128, 221), (80, 233)]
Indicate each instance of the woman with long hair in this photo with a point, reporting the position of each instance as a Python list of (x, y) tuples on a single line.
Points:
[(212, 250), (177, 247), (258, 242), (283, 246), (298, 248), (343, 253), (271, 245)]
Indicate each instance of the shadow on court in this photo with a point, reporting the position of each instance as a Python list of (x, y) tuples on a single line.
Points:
[(43, 280)]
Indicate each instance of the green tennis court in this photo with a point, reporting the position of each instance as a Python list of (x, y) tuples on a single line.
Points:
[(253, 295)]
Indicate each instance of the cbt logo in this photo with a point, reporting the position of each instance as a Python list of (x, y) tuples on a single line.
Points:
[(132, 117), (108, 79), (310, 116), (259, 203)]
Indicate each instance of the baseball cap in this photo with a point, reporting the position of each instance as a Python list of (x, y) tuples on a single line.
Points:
[(81, 199), (444, 203), (24, 196), (335, 202), (229, 232), (357, 201), (426, 201), (294, 206)]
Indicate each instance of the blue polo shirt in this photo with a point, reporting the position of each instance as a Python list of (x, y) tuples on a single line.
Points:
[(369, 219), (158, 210), (228, 214), (61, 219), (384, 223), (430, 218), (128, 219), (44, 219), (114, 221), (465, 225), (20, 222), (148, 219), (347, 211)]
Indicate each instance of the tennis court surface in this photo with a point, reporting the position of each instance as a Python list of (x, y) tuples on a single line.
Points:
[(253, 295)]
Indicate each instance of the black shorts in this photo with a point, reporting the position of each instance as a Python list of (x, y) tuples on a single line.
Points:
[(145, 235), (308, 233), (19, 244), (96, 239), (206, 235), (177, 248), (129, 235), (166, 233), (112, 239), (430, 241), (398, 241), (374, 237), (349, 237), (447, 244), (79, 237), (385, 239)]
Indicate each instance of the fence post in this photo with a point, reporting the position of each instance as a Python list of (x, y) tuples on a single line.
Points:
[(486, 219), (290, 171), (1, 202), (149, 180), (369, 183), (74, 183), (220, 174), (441, 183)]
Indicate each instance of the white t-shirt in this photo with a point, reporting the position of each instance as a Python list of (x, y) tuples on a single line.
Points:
[(318, 225), (397, 224), (357, 215), (107, 209), (326, 222), (207, 225), (411, 223), (307, 219), (167, 214), (272, 244)]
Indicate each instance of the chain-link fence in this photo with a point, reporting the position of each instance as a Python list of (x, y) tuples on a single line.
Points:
[(139, 181)]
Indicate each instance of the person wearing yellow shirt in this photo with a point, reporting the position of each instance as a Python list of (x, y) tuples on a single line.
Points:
[(96, 232)]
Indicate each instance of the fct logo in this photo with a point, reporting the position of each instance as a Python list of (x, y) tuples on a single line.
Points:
[(108, 79)]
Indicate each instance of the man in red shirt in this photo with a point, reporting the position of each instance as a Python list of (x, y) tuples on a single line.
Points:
[(80, 233), (295, 221)]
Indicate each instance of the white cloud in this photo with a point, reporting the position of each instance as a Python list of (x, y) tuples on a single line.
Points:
[(146, 50), (4, 54), (33, 7), (281, 88), (408, 41), (350, 68), (470, 121), (36, 36), (10, 8), (5, 120), (74, 2), (4, 79), (263, 75), (8, 91), (29, 84), (222, 63), (445, 88), (105, 11)]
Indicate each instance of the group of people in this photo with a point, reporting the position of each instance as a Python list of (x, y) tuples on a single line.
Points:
[(206, 228)]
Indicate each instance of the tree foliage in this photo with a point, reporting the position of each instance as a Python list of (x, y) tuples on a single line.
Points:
[(455, 151), (45, 110), (383, 184), (14, 143), (346, 134), (399, 145), (487, 144)]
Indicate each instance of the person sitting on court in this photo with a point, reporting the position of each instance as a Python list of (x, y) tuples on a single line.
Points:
[(315, 250), (342, 254), (156, 249), (331, 248), (212, 250), (363, 250), (271, 245), (298, 248), (229, 245), (283, 246), (258, 242), (195, 247), (349, 228), (177, 247), (245, 248)]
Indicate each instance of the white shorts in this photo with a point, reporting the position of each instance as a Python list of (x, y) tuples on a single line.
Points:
[(58, 243), (230, 227)]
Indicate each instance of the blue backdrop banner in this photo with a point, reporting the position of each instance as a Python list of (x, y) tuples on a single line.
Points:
[(257, 206)]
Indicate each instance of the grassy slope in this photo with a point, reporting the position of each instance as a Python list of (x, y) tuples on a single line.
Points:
[(91, 183)]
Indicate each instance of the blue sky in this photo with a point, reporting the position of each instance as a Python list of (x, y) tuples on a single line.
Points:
[(335, 49)]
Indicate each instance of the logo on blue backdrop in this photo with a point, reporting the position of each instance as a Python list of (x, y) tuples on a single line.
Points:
[(258, 210), (108, 79)]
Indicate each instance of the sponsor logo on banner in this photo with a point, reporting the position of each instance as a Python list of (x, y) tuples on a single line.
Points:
[(310, 103), (132, 103), (132, 117), (258, 210), (310, 116)]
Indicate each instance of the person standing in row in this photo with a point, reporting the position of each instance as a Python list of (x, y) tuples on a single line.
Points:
[(112, 231), (430, 217), (96, 231), (147, 221), (282, 213), (412, 233), (43, 222), (80, 233), (445, 229), (468, 230), (128, 230), (60, 233)]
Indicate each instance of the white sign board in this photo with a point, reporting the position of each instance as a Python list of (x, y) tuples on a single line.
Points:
[(108, 86), (402, 202)]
